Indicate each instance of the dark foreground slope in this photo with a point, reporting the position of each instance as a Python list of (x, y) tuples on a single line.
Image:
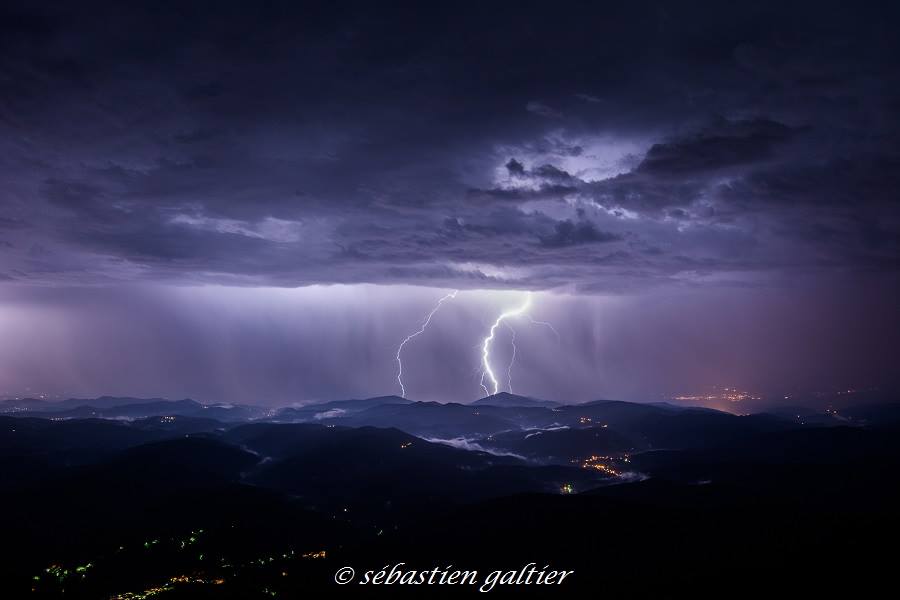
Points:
[(194, 508)]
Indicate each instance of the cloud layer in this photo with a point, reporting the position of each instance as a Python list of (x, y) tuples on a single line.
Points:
[(708, 190), (595, 148)]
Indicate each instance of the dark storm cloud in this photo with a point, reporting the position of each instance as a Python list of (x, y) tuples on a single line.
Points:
[(515, 168), (569, 233), (595, 146), (726, 144)]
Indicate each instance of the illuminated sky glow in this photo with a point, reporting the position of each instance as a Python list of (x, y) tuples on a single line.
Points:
[(261, 206)]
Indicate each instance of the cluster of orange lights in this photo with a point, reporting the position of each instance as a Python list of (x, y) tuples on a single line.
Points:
[(167, 587), (729, 394), (191, 579), (602, 463)]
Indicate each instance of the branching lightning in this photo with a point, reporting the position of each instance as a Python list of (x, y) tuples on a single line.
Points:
[(489, 381), (416, 334), (486, 345), (512, 360), (545, 324), (486, 371)]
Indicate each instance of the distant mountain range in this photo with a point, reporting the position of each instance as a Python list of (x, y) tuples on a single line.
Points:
[(507, 400), (504, 424), (129, 485), (111, 407), (496, 413)]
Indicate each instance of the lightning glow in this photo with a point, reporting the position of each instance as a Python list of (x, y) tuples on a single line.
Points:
[(545, 324), (486, 345), (415, 334), (512, 360)]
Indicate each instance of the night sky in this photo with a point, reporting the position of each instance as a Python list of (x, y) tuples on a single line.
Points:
[(257, 202)]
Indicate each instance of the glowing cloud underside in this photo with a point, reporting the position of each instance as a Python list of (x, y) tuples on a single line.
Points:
[(486, 346), (416, 334)]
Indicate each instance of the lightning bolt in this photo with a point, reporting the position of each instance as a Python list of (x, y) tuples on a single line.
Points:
[(545, 324), (416, 334), (512, 360), (486, 345)]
